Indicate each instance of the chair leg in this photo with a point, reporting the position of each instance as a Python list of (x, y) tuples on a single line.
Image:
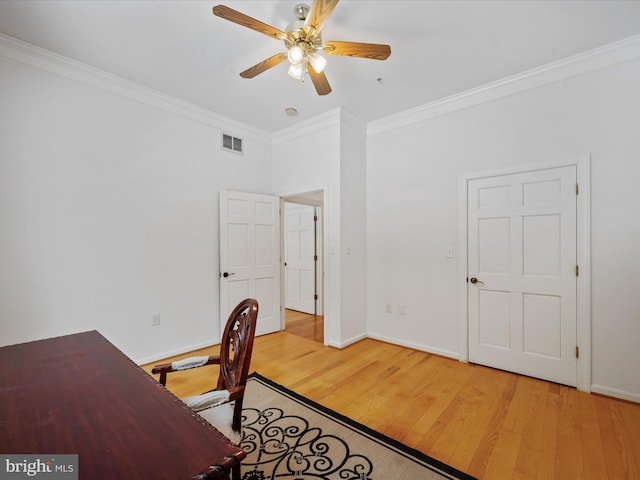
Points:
[(235, 472)]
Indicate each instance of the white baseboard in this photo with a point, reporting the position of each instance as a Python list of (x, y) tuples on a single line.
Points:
[(416, 346), (173, 353), (600, 389), (346, 343), (614, 392)]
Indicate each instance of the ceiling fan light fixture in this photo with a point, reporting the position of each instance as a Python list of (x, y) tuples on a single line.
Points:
[(303, 40), (296, 54), (318, 62), (296, 70)]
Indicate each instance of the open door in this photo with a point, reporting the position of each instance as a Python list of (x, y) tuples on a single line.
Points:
[(250, 256), (300, 258)]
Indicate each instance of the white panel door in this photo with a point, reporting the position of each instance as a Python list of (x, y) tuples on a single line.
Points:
[(522, 273), (299, 257), (250, 256)]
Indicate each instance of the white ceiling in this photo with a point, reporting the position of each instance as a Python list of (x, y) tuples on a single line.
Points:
[(438, 48)]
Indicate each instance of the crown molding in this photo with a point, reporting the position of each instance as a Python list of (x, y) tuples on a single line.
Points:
[(308, 126), (23, 53), (350, 120), (26, 54), (601, 57), (335, 117)]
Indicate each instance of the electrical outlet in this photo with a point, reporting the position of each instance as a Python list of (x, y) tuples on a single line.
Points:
[(155, 319), (387, 308), (402, 310)]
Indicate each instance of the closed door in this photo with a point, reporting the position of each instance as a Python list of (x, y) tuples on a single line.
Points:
[(522, 273), (250, 256), (299, 257)]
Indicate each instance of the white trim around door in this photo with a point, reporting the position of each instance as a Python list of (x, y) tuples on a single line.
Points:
[(583, 250)]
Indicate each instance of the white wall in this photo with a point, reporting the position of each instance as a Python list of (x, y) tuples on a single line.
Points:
[(109, 210), (306, 158), (328, 153), (353, 228), (412, 183)]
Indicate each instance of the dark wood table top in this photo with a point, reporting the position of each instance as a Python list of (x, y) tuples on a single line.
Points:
[(78, 394)]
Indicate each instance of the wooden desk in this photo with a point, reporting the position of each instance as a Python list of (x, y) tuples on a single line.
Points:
[(78, 394)]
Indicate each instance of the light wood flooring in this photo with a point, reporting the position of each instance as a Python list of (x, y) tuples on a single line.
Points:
[(488, 423), (305, 325)]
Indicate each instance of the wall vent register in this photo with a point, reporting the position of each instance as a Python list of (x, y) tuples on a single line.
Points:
[(231, 143)]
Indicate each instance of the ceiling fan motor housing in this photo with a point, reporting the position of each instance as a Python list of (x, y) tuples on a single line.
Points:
[(296, 35), (301, 39)]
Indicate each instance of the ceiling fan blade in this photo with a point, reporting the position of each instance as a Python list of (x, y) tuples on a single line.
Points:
[(361, 50), (318, 14), (264, 65), (234, 16), (319, 81)]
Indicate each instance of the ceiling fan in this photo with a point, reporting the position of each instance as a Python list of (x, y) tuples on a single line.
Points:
[(303, 40)]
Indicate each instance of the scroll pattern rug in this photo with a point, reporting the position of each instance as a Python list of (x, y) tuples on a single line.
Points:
[(288, 437)]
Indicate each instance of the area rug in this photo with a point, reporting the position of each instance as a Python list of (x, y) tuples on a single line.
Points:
[(287, 436)]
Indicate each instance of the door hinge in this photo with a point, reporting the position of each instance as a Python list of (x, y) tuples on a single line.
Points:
[(577, 189), (315, 297), (577, 352), (315, 218), (577, 270), (315, 258)]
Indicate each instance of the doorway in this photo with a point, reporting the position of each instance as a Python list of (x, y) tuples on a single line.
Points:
[(303, 285), (524, 236), (521, 265)]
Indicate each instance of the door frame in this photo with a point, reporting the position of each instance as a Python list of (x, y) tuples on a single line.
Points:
[(583, 256), (322, 273)]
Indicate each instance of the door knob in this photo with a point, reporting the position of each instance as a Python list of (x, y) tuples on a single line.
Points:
[(474, 280), (227, 274)]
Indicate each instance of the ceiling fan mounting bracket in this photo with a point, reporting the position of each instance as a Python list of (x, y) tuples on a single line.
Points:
[(301, 11)]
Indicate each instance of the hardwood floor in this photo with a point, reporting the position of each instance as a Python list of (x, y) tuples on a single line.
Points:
[(488, 423), (305, 325)]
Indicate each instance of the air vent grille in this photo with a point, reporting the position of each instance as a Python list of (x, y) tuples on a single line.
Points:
[(231, 143)]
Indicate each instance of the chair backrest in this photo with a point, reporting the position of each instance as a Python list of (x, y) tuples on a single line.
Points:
[(236, 348)]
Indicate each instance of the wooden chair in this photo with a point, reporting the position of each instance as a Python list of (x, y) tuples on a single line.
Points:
[(235, 355)]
